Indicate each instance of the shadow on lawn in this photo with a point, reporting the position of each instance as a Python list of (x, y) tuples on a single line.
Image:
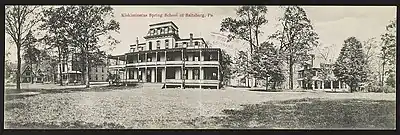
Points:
[(311, 113), (11, 94), (263, 90), (63, 125)]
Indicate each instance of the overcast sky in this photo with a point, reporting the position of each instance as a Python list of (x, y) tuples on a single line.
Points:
[(333, 23)]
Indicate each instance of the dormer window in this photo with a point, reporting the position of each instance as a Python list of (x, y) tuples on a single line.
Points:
[(184, 44), (176, 45)]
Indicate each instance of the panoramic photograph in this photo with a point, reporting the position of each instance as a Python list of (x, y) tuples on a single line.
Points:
[(200, 67)]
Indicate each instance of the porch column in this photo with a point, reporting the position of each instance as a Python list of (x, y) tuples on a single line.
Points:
[(313, 85), (137, 74), (301, 83), (323, 84), (156, 78), (117, 61), (183, 70), (145, 74), (156, 56), (340, 87), (138, 58), (218, 70), (331, 85), (145, 57)]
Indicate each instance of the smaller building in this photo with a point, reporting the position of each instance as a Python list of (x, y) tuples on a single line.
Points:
[(319, 77), (30, 75)]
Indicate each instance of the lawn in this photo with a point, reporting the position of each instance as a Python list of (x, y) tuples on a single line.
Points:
[(128, 107)]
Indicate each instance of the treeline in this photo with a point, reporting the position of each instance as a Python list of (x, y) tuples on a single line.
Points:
[(60, 34)]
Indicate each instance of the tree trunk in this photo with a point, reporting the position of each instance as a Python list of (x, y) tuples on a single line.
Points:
[(290, 73), (87, 71), (31, 64), (251, 39), (61, 66), (18, 66), (266, 84), (257, 36)]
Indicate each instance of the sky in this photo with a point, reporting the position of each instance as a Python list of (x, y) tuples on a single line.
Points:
[(333, 24)]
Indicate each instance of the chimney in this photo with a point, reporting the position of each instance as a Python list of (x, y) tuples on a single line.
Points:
[(191, 39), (137, 44)]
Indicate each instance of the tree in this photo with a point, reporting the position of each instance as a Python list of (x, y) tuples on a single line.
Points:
[(19, 21), (297, 38), (87, 25), (266, 64), (32, 54), (351, 64), (226, 67), (241, 65), (388, 51), (370, 48), (251, 18), (56, 26)]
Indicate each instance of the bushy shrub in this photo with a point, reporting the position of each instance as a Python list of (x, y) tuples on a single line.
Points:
[(373, 88), (391, 80), (377, 88), (388, 89)]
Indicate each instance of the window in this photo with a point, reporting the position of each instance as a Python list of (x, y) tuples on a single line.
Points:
[(102, 77), (150, 46), (96, 69), (196, 74), (167, 29), (158, 45), (184, 44), (166, 44), (158, 31), (97, 78), (158, 56), (196, 43), (102, 69), (186, 74), (176, 45)]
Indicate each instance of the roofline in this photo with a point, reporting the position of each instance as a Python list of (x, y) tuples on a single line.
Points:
[(164, 23)]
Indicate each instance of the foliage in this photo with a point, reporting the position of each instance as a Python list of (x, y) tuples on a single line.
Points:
[(250, 18), (297, 37), (86, 28), (391, 80), (19, 21), (226, 67), (388, 51), (266, 64), (351, 65)]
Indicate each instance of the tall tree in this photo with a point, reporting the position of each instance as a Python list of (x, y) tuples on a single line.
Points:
[(297, 37), (226, 67), (19, 20), (88, 24), (56, 26), (388, 51), (370, 47), (266, 64), (247, 26), (241, 65), (351, 64)]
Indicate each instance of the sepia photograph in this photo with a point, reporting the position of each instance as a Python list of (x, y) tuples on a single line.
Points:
[(200, 67)]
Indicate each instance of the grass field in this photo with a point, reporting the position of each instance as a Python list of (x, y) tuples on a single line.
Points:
[(128, 107)]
